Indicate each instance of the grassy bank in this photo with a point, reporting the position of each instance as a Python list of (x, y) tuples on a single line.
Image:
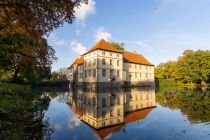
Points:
[(172, 82), (15, 88)]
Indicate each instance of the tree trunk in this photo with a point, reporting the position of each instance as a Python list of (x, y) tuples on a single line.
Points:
[(15, 76)]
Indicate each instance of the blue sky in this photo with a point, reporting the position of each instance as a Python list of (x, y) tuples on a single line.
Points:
[(158, 29)]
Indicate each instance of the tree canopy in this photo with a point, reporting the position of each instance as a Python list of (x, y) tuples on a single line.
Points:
[(192, 66), (35, 17), (27, 59), (119, 46)]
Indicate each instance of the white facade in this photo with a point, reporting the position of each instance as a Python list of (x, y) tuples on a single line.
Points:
[(103, 66)]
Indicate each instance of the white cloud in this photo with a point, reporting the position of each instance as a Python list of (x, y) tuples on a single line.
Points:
[(101, 33), (84, 10), (73, 121), (77, 47)]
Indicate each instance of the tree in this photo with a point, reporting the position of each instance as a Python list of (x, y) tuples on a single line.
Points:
[(195, 66), (27, 59), (166, 70), (54, 75), (119, 46), (35, 17), (159, 71)]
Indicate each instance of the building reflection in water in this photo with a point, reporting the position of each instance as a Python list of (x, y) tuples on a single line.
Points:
[(108, 111)]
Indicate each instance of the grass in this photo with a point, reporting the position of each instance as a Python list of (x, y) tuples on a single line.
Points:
[(15, 88), (172, 82)]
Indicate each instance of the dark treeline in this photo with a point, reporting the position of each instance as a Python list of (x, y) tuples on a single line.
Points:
[(191, 67)]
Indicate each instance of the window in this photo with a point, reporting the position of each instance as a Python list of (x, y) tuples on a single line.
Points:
[(110, 54), (89, 54), (94, 53), (110, 62), (89, 73), (140, 75), (103, 102), (129, 65), (94, 61), (130, 75), (103, 123), (94, 101), (103, 61), (135, 66), (118, 62), (118, 73), (146, 75), (111, 73), (118, 55), (85, 64), (139, 66), (103, 52), (136, 75), (103, 72), (94, 73), (85, 74)]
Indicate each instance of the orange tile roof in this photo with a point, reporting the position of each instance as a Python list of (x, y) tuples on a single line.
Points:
[(104, 45), (127, 56), (78, 61), (135, 58), (104, 132), (138, 115), (78, 111)]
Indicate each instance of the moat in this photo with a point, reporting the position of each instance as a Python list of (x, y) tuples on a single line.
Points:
[(166, 113), (142, 113)]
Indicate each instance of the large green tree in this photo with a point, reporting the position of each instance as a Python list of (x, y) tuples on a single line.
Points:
[(27, 59), (195, 66), (166, 70)]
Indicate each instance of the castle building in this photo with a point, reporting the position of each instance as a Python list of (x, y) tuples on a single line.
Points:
[(104, 65)]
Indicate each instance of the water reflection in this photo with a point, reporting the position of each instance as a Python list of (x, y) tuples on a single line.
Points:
[(108, 111), (193, 103)]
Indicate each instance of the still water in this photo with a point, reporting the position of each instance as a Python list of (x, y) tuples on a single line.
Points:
[(169, 113)]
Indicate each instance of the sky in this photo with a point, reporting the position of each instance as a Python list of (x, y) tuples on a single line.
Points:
[(158, 29)]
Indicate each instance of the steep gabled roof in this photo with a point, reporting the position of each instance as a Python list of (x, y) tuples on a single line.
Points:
[(135, 58), (104, 45), (127, 56), (77, 61)]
